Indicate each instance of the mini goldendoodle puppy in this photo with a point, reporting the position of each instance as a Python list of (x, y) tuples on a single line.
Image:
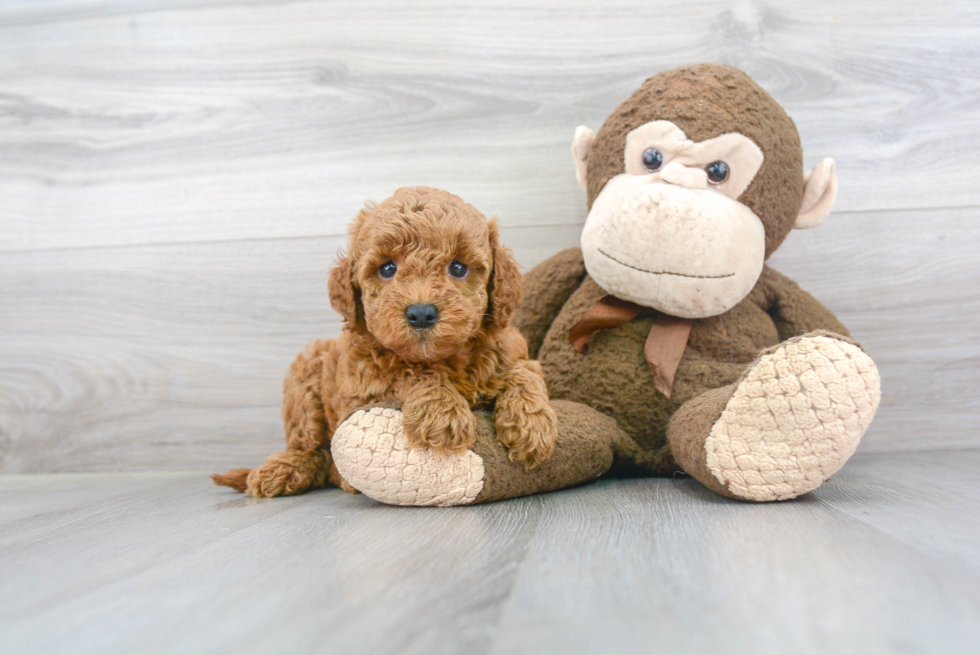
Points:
[(427, 293)]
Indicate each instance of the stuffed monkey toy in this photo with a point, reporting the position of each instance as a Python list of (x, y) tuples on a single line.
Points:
[(667, 343)]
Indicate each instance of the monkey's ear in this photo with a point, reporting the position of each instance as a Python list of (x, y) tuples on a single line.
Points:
[(819, 194), (581, 144), (504, 287), (344, 294)]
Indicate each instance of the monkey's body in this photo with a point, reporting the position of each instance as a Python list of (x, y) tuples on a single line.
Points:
[(558, 292), (718, 350)]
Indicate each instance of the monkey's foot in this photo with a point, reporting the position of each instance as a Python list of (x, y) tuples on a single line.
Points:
[(372, 453), (793, 419)]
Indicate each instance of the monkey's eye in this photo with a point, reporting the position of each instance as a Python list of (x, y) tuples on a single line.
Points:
[(717, 172), (387, 270), (653, 160), (458, 270)]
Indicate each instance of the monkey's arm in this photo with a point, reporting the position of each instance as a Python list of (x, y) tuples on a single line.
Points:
[(794, 311), (547, 288)]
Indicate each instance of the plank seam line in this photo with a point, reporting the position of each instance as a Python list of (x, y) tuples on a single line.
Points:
[(158, 244)]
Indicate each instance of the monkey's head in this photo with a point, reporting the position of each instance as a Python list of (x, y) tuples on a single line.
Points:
[(692, 183)]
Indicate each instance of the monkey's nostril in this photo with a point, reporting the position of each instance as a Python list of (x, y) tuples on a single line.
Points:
[(421, 317)]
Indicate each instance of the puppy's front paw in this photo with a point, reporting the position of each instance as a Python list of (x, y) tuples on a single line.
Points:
[(529, 429), (442, 423)]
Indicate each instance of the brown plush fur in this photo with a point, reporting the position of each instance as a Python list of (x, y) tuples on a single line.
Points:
[(471, 357)]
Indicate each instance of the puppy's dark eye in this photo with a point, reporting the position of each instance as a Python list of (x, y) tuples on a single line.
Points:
[(717, 172), (387, 270), (458, 270), (653, 160)]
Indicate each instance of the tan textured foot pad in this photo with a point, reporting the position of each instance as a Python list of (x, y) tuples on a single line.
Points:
[(794, 419), (371, 452)]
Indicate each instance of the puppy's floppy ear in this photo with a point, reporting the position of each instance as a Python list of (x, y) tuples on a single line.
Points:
[(505, 282), (344, 294)]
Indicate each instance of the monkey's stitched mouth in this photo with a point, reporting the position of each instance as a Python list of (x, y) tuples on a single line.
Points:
[(643, 270)]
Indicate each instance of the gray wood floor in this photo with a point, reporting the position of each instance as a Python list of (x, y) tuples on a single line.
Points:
[(885, 558)]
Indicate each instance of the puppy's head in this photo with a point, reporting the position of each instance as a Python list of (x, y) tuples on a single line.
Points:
[(424, 274)]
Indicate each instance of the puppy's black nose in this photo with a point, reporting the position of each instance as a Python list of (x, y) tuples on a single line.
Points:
[(422, 316)]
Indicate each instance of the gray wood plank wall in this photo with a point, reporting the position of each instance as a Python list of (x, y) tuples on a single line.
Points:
[(175, 178)]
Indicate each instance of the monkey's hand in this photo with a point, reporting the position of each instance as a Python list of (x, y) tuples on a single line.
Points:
[(794, 311)]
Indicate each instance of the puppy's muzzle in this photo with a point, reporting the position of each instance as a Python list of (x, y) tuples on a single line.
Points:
[(422, 317)]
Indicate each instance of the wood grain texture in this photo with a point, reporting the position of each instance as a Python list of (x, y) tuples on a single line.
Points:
[(175, 177), (125, 123), (883, 558)]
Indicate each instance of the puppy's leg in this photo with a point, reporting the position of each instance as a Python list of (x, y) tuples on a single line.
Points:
[(438, 417), (306, 464), (526, 423), (287, 474)]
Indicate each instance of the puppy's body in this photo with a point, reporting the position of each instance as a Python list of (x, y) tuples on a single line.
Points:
[(439, 369)]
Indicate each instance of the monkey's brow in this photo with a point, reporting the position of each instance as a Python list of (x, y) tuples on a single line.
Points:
[(643, 270)]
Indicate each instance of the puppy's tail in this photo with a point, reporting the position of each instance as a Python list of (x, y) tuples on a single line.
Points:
[(234, 478)]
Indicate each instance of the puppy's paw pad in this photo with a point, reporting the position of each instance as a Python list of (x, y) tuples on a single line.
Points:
[(372, 453), (794, 419)]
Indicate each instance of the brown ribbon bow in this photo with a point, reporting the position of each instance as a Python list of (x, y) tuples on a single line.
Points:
[(664, 346)]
